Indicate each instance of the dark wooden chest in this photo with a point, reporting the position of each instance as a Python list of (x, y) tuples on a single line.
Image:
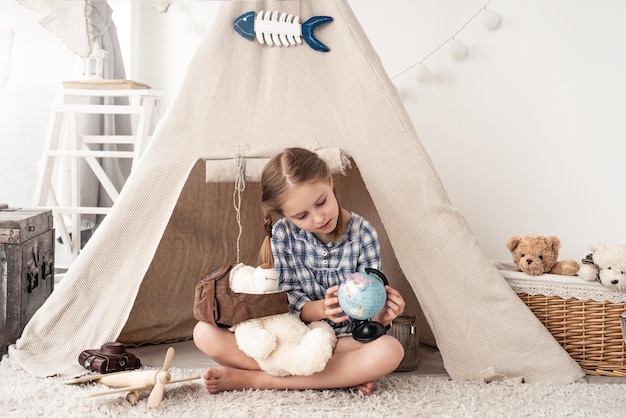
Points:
[(26, 268)]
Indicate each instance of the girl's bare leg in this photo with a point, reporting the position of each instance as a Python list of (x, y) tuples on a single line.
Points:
[(220, 345), (352, 365), (348, 344)]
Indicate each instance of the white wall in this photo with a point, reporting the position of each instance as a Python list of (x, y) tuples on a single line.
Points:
[(25, 98), (526, 132)]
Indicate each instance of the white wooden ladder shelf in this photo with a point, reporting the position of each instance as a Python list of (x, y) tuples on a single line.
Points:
[(144, 109)]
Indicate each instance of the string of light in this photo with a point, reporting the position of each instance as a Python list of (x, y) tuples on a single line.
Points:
[(458, 50)]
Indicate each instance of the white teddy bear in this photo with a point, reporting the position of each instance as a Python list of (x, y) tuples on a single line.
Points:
[(607, 264), (248, 279), (281, 344)]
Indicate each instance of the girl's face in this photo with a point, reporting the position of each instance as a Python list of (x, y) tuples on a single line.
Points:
[(314, 208)]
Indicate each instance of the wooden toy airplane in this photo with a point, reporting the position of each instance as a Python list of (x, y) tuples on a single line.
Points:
[(135, 381)]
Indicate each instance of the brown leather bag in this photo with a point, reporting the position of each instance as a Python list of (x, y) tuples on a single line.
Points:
[(216, 303)]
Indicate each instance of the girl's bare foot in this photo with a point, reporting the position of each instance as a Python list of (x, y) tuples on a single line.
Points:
[(227, 378), (365, 388), (222, 379)]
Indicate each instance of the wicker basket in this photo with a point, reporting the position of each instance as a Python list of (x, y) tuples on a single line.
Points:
[(405, 330), (588, 330)]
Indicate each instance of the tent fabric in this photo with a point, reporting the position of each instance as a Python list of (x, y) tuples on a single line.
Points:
[(68, 20), (267, 98)]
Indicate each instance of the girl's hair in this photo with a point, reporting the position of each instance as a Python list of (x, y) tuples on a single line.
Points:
[(292, 167)]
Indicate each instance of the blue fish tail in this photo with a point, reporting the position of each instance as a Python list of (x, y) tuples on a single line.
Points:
[(309, 27), (244, 25)]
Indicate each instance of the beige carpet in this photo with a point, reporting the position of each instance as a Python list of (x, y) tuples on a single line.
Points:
[(427, 392)]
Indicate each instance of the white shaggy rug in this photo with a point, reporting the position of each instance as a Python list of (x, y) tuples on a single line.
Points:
[(398, 395)]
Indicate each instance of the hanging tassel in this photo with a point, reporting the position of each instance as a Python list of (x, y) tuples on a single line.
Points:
[(240, 186)]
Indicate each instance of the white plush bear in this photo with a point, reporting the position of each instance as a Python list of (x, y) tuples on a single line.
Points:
[(607, 264), (281, 344), (248, 279)]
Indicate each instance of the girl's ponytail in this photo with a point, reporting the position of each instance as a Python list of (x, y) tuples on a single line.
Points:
[(265, 255)]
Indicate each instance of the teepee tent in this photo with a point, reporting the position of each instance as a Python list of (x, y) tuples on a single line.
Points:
[(241, 101)]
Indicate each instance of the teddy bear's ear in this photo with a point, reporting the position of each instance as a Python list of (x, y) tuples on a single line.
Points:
[(554, 243), (512, 243), (595, 247)]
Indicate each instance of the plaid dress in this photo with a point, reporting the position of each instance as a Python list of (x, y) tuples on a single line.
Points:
[(308, 267)]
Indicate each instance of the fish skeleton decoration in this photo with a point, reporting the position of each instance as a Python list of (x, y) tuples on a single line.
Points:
[(283, 30)]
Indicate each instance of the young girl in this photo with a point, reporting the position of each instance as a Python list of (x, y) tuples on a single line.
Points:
[(313, 245)]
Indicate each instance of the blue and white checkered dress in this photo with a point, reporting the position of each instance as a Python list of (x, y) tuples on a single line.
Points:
[(308, 267)]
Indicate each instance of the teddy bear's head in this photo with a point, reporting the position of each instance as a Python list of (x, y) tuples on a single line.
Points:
[(256, 280), (534, 254), (265, 278), (609, 261)]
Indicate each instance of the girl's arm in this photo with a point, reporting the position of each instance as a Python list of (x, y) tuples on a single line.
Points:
[(290, 275), (327, 308), (369, 254)]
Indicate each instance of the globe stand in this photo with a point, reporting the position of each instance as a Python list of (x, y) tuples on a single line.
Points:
[(367, 330)]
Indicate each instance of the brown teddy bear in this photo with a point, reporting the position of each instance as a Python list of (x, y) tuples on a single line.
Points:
[(537, 254)]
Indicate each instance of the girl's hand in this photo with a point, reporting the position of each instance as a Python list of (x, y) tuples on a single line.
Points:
[(394, 306), (332, 310)]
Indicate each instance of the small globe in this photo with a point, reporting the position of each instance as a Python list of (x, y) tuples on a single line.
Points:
[(362, 295)]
